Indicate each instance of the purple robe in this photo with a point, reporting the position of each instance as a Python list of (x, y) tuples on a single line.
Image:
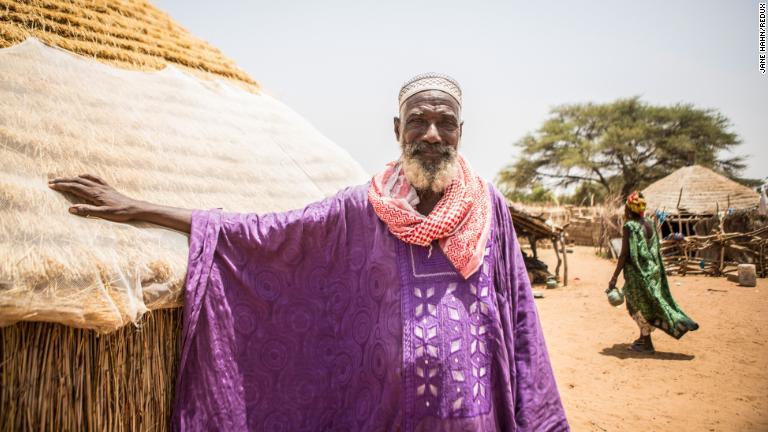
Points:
[(319, 319)]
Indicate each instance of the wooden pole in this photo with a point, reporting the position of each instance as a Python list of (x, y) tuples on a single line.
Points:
[(722, 243), (679, 214), (557, 254), (565, 259), (722, 258)]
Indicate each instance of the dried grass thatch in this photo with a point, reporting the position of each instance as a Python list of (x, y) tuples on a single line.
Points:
[(698, 190), (536, 227), (164, 137), (58, 378), (130, 34)]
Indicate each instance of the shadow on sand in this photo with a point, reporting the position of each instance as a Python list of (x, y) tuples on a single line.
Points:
[(622, 351)]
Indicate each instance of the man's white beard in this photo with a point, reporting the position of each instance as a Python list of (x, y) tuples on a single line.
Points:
[(426, 175)]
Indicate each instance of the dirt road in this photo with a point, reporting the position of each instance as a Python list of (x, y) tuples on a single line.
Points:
[(713, 379)]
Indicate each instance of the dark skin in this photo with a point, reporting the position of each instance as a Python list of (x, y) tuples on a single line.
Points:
[(103, 201), (642, 341), (430, 116)]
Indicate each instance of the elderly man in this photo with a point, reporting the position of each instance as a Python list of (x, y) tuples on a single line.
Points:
[(398, 305)]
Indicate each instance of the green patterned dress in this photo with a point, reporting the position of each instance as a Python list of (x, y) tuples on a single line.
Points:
[(646, 288)]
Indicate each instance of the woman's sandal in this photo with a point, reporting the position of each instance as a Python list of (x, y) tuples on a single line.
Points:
[(640, 347)]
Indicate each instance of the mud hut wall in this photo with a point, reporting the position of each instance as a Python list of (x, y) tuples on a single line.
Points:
[(583, 224), (583, 231)]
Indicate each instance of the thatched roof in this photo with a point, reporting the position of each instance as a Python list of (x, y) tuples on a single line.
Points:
[(527, 223), (164, 136), (131, 34), (703, 191)]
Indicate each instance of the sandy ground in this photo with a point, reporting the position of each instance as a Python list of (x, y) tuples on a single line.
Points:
[(713, 379)]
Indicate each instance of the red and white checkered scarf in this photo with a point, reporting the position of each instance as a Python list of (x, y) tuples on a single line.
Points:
[(460, 221)]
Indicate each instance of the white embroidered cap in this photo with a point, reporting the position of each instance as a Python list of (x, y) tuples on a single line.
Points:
[(430, 81)]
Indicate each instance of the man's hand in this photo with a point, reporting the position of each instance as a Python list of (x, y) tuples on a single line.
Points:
[(102, 200)]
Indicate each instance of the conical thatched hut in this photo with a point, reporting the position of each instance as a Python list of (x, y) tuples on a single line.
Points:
[(693, 193), (120, 90), (714, 222)]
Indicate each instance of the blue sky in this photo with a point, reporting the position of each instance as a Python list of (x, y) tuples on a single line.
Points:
[(341, 63)]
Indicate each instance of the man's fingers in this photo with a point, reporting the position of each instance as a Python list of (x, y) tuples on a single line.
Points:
[(86, 210), (85, 181), (73, 188), (93, 178), (79, 179), (62, 180)]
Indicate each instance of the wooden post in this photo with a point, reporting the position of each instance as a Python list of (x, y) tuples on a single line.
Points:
[(679, 214), (565, 259), (722, 257), (557, 254), (722, 242), (532, 242)]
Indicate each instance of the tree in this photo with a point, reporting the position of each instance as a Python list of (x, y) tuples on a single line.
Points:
[(536, 193), (621, 146), (586, 193)]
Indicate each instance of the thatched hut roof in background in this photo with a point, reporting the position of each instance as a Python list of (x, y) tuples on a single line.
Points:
[(131, 34), (528, 223), (703, 192)]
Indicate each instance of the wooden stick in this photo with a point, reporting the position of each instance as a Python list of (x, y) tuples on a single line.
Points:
[(557, 254), (565, 260)]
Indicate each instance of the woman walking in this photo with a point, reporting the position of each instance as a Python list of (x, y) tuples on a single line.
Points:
[(646, 290)]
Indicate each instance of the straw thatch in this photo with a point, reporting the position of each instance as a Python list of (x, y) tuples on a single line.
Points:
[(536, 227), (698, 190), (58, 378), (164, 136), (129, 34)]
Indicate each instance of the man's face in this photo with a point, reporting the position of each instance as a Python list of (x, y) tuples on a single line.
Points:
[(429, 131)]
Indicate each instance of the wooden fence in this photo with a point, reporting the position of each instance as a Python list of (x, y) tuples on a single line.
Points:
[(717, 254)]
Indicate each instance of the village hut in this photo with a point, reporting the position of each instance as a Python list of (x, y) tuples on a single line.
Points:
[(709, 223), (538, 227), (90, 309), (694, 193)]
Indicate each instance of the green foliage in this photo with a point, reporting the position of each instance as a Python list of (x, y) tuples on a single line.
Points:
[(535, 194), (586, 193), (620, 146)]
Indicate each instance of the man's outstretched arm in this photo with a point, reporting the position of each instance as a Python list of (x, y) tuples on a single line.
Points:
[(103, 201)]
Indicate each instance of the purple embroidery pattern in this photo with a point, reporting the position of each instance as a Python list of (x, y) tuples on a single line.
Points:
[(447, 340), (319, 319)]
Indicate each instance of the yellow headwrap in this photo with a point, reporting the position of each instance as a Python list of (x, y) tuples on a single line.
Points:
[(636, 203)]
